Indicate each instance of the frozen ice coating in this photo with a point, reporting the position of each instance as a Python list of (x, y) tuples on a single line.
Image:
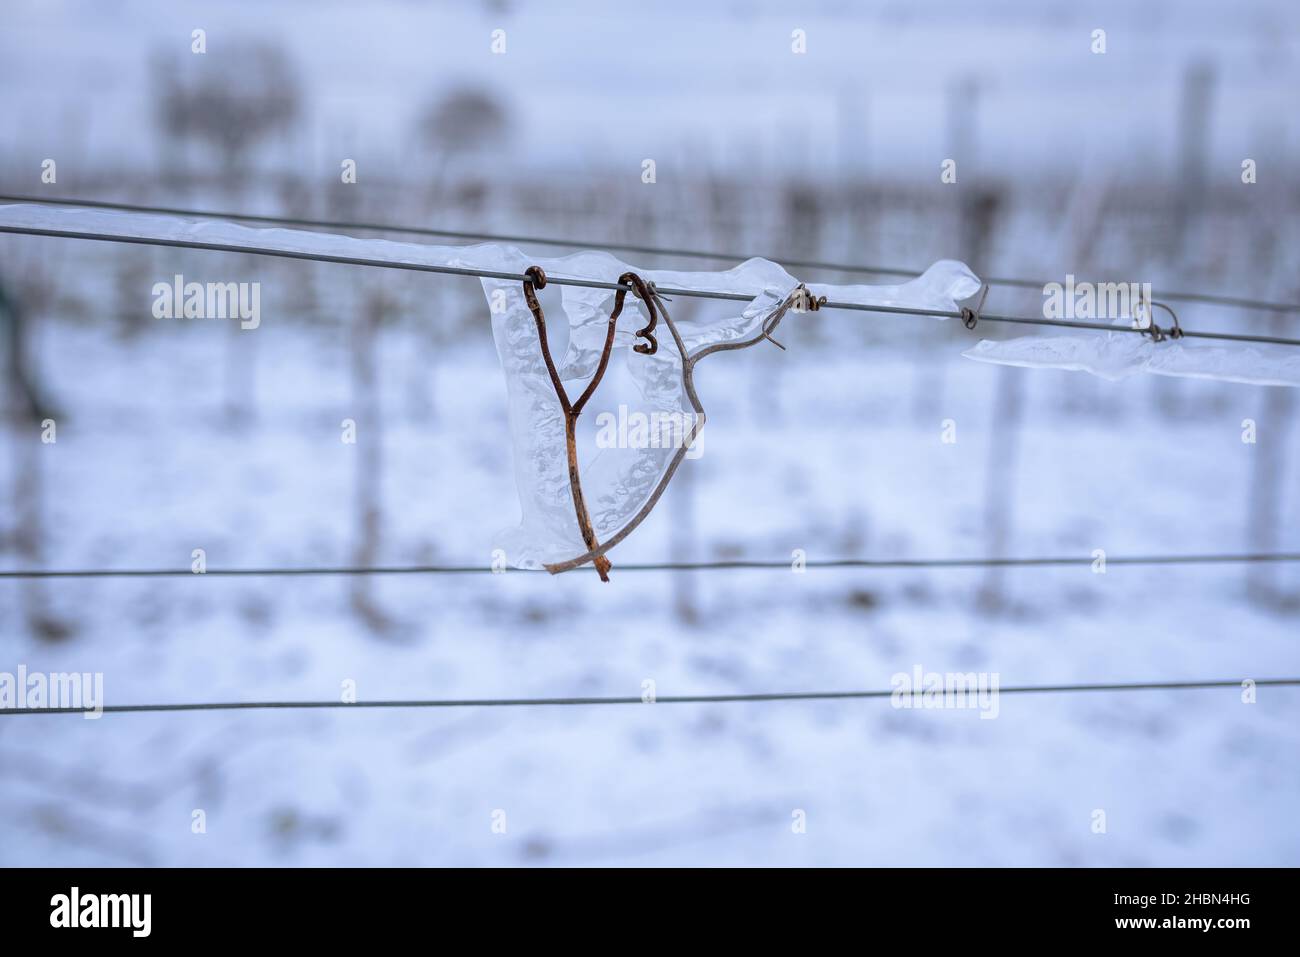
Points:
[(617, 480), (1118, 355), (618, 477), (70, 220), (946, 283)]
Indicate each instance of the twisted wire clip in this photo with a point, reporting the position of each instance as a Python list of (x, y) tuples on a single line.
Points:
[(802, 300), (1155, 332), (805, 301), (650, 284), (970, 315)]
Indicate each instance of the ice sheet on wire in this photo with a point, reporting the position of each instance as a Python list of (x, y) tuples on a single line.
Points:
[(1118, 355), (619, 477), (128, 225)]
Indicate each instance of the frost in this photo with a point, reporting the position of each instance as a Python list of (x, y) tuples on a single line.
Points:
[(1118, 355)]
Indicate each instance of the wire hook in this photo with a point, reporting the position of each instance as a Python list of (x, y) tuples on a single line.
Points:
[(1160, 335), (970, 317), (644, 292)]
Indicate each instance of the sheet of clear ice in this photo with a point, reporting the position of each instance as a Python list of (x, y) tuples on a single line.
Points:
[(616, 481), (1118, 355)]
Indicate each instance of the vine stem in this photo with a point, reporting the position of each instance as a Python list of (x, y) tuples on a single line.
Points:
[(799, 298), (535, 279)]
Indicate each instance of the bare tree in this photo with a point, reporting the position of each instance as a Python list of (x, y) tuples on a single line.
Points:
[(230, 102), (32, 414), (465, 121), (461, 126)]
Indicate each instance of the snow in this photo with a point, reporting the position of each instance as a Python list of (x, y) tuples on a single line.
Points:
[(148, 466)]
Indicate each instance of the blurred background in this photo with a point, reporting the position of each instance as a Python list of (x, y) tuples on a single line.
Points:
[(176, 435)]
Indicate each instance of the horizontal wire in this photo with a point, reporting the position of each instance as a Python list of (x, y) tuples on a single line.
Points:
[(726, 564), (603, 284), (659, 699), (680, 252)]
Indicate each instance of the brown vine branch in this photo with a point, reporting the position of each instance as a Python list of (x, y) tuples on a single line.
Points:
[(799, 299), (535, 279)]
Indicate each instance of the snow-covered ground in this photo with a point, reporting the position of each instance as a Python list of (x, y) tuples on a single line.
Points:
[(147, 467)]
